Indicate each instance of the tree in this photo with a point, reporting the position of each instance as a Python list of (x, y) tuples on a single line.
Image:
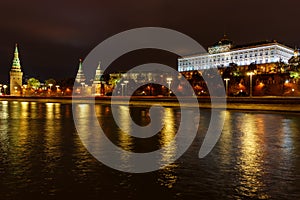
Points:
[(33, 83), (294, 67), (50, 81), (295, 74)]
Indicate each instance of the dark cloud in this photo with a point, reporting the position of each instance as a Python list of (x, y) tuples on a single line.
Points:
[(53, 35)]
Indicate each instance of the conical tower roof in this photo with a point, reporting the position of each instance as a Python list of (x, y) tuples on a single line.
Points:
[(98, 74), (80, 77), (16, 65)]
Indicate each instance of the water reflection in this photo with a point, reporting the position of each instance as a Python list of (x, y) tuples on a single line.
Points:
[(122, 137), (251, 159), (4, 115), (125, 140), (41, 156), (167, 175)]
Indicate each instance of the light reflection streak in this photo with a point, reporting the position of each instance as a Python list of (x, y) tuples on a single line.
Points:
[(84, 117), (33, 110), (227, 139), (24, 125), (251, 158), (167, 175), (125, 140), (52, 138), (4, 115)]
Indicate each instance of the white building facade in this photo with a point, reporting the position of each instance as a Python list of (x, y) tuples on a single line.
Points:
[(223, 53)]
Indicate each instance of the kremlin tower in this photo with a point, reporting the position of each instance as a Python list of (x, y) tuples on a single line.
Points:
[(80, 77), (16, 75), (97, 83)]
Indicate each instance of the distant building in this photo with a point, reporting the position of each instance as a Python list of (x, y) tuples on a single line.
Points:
[(16, 75), (98, 86), (224, 52), (80, 77)]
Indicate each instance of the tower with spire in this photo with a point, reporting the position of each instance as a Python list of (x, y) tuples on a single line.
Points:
[(16, 75), (80, 77), (97, 82)]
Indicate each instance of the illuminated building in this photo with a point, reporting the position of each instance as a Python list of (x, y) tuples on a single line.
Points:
[(97, 83), (16, 75), (80, 77), (224, 52)]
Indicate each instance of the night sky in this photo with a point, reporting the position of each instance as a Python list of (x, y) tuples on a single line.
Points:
[(53, 35)]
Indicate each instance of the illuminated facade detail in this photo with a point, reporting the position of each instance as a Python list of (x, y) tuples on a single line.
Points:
[(224, 45), (80, 77), (16, 75), (223, 53)]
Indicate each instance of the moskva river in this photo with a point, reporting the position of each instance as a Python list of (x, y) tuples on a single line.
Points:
[(42, 155)]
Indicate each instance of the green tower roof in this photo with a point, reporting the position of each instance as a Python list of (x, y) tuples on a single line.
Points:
[(16, 66)]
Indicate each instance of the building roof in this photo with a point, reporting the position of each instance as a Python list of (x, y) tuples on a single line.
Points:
[(223, 41)]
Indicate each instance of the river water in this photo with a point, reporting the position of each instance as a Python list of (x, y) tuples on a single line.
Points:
[(42, 156)]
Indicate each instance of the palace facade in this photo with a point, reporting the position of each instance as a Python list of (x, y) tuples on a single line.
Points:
[(224, 52)]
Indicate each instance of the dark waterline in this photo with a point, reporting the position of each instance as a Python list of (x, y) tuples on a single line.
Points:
[(42, 157)]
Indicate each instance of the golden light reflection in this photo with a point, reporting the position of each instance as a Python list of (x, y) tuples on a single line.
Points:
[(227, 138), (33, 110), (49, 110), (251, 158), (125, 140), (24, 110), (52, 136), (167, 135), (167, 176), (83, 113), (4, 115), (89, 125), (24, 125)]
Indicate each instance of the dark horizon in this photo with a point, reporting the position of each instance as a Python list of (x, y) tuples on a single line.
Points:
[(52, 36)]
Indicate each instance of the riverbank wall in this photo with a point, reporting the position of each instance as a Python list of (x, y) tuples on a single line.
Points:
[(283, 104)]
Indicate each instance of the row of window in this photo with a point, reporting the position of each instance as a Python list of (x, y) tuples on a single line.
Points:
[(261, 56)]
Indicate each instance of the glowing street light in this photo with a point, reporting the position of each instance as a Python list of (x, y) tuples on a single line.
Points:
[(4, 86), (169, 81), (126, 82), (250, 74), (226, 81), (122, 84), (50, 85)]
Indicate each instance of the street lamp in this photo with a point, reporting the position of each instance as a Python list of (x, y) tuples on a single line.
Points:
[(4, 86), (122, 84), (226, 81), (57, 88), (250, 74), (169, 81), (50, 85), (126, 82)]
